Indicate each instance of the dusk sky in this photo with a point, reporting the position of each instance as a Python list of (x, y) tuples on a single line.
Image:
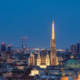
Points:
[(33, 19)]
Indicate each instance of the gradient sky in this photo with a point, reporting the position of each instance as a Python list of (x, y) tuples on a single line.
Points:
[(33, 19)]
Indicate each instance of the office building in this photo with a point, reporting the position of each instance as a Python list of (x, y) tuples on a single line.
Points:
[(78, 47), (73, 49), (3, 47)]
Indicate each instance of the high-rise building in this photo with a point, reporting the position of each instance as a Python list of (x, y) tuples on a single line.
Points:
[(9, 47), (3, 47), (53, 56), (78, 47), (73, 49)]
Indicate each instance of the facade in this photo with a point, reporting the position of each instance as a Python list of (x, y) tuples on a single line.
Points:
[(78, 47), (3, 55), (31, 59), (9, 47), (73, 49), (3, 47), (8, 57), (21, 78), (34, 72), (53, 57), (43, 61)]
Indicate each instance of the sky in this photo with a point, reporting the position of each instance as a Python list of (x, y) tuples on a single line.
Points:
[(33, 19)]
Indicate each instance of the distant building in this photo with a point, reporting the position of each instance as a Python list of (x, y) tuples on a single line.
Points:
[(34, 72), (73, 49), (8, 57), (3, 47), (31, 59), (78, 47), (9, 47), (72, 63), (3, 55), (21, 78)]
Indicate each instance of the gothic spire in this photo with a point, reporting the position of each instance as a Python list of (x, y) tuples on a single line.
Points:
[(53, 33)]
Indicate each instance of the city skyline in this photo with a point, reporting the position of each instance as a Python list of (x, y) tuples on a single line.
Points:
[(23, 19)]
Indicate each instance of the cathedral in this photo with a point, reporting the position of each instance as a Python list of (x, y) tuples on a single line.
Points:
[(44, 61)]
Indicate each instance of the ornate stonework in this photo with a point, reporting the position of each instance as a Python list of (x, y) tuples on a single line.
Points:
[(31, 60), (43, 61), (53, 57)]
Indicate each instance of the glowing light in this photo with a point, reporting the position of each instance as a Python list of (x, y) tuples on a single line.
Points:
[(25, 37), (9, 45), (22, 37), (53, 35)]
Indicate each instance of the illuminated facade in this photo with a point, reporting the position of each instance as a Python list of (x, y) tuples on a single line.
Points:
[(34, 72), (31, 59), (43, 61), (53, 57)]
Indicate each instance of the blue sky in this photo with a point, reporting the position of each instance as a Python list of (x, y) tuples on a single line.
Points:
[(33, 19)]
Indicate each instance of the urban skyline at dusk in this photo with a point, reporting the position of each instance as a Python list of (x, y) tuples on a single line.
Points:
[(39, 40), (33, 19)]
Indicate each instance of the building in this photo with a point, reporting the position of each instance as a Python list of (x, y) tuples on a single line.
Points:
[(3, 55), (43, 61), (63, 73), (34, 72), (73, 49), (8, 57), (21, 78), (78, 47), (3, 47), (53, 57), (9, 47), (31, 59), (72, 63)]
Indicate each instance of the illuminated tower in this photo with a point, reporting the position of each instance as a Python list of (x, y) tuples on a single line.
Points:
[(53, 57)]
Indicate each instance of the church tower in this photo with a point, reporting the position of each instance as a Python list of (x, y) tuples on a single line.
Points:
[(53, 57)]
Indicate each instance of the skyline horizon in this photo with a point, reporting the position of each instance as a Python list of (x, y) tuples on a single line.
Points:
[(34, 20)]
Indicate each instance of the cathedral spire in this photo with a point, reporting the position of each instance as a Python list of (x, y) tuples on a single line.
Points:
[(53, 33)]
